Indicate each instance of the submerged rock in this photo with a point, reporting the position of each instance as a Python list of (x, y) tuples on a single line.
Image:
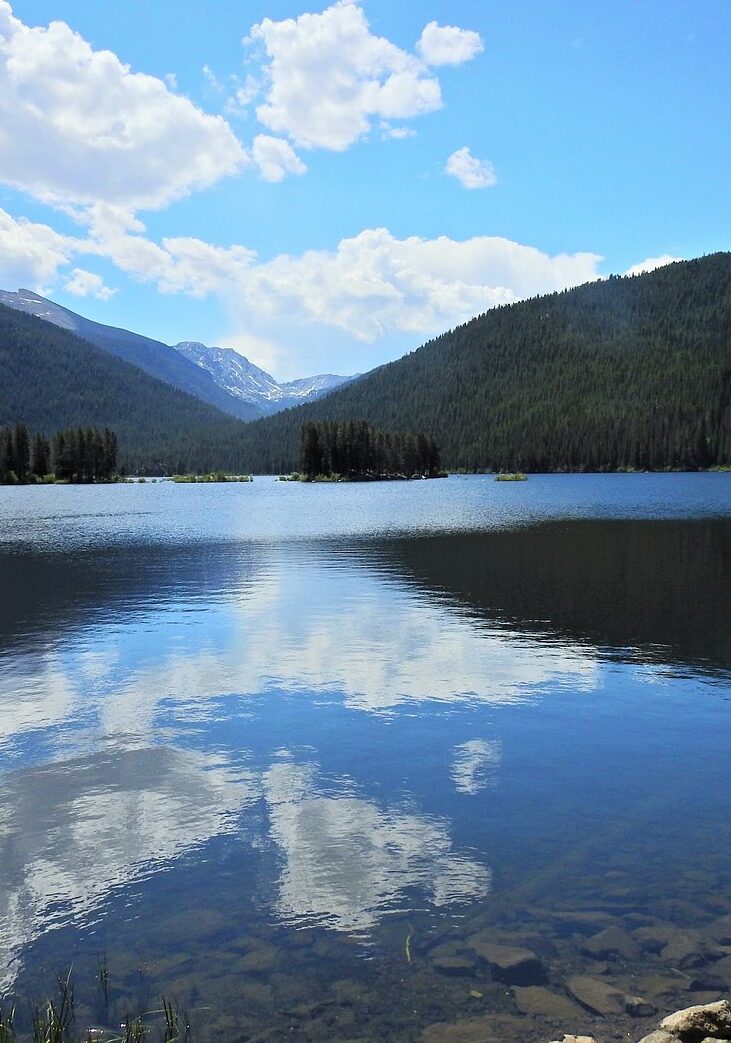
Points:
[(613, 941), (639, 1007), (510, 964), (720, 930), (535, 1000), (492, 1028), (597, 996)]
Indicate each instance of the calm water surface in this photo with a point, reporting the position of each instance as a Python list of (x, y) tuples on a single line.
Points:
[(293, 755)]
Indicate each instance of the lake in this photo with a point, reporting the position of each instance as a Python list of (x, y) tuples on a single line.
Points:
[(442, 761)]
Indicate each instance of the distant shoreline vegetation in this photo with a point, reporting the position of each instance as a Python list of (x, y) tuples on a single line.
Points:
[(78, 456), (209, 479), (354, 451)]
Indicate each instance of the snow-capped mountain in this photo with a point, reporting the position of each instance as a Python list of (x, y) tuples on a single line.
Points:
[(242, 379), (219, 376)]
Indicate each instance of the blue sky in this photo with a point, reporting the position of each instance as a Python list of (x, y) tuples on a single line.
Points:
[(324, 187)]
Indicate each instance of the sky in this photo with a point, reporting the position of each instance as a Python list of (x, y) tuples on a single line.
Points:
[(324, 188)]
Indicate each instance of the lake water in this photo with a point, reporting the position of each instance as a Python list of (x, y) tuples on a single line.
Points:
[(298, 757)]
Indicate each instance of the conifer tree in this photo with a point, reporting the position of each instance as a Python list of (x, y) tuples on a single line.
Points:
[(21, 452), (40, 458)]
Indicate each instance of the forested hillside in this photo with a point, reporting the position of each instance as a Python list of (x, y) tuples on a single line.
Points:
[(51, 379), (627, 372), (155, 358)]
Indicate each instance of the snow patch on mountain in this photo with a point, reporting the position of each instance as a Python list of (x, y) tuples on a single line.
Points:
[(33, 304)]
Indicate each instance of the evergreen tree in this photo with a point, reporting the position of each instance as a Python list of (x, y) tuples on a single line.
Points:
[(21, 452), (41, 457), (7, 456)]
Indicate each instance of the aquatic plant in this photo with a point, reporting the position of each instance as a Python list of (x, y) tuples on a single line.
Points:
[(52, 1022), (7, 1020)]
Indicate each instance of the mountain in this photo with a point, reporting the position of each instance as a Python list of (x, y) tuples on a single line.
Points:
[(52, 379), (155, 358), (626, 372), (243, 380)]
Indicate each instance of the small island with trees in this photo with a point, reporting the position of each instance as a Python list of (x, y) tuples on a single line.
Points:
[(354, 451)]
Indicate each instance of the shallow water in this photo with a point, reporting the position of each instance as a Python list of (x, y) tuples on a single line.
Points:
[(290, 753)]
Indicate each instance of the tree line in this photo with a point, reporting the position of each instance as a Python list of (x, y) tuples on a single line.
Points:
[(358, 452), (76, 455)]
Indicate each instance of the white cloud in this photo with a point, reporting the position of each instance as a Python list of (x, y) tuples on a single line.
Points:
[(276, 158), (77, 126), (469, 171), (244, 95), (211, 79), (30, 253), (397, 133), (87, 284), (328, 77), (374, 284), (370, 286), (651, 263), (448, 45)]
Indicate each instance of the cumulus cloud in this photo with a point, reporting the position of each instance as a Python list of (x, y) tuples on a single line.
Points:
[(328, 77), (78, 126), (276, 158), (88, 284), (651, 263), (370, 285), (470, 171), (31, 253), (448, 45)]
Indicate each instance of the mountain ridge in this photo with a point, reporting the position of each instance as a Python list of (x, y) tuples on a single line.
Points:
[(208, 373)]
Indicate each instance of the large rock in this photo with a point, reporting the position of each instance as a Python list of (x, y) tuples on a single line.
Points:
[(510, 964), (534, 1000), (694, 1023), (660, 1036), (613, 941), (597, 996)]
